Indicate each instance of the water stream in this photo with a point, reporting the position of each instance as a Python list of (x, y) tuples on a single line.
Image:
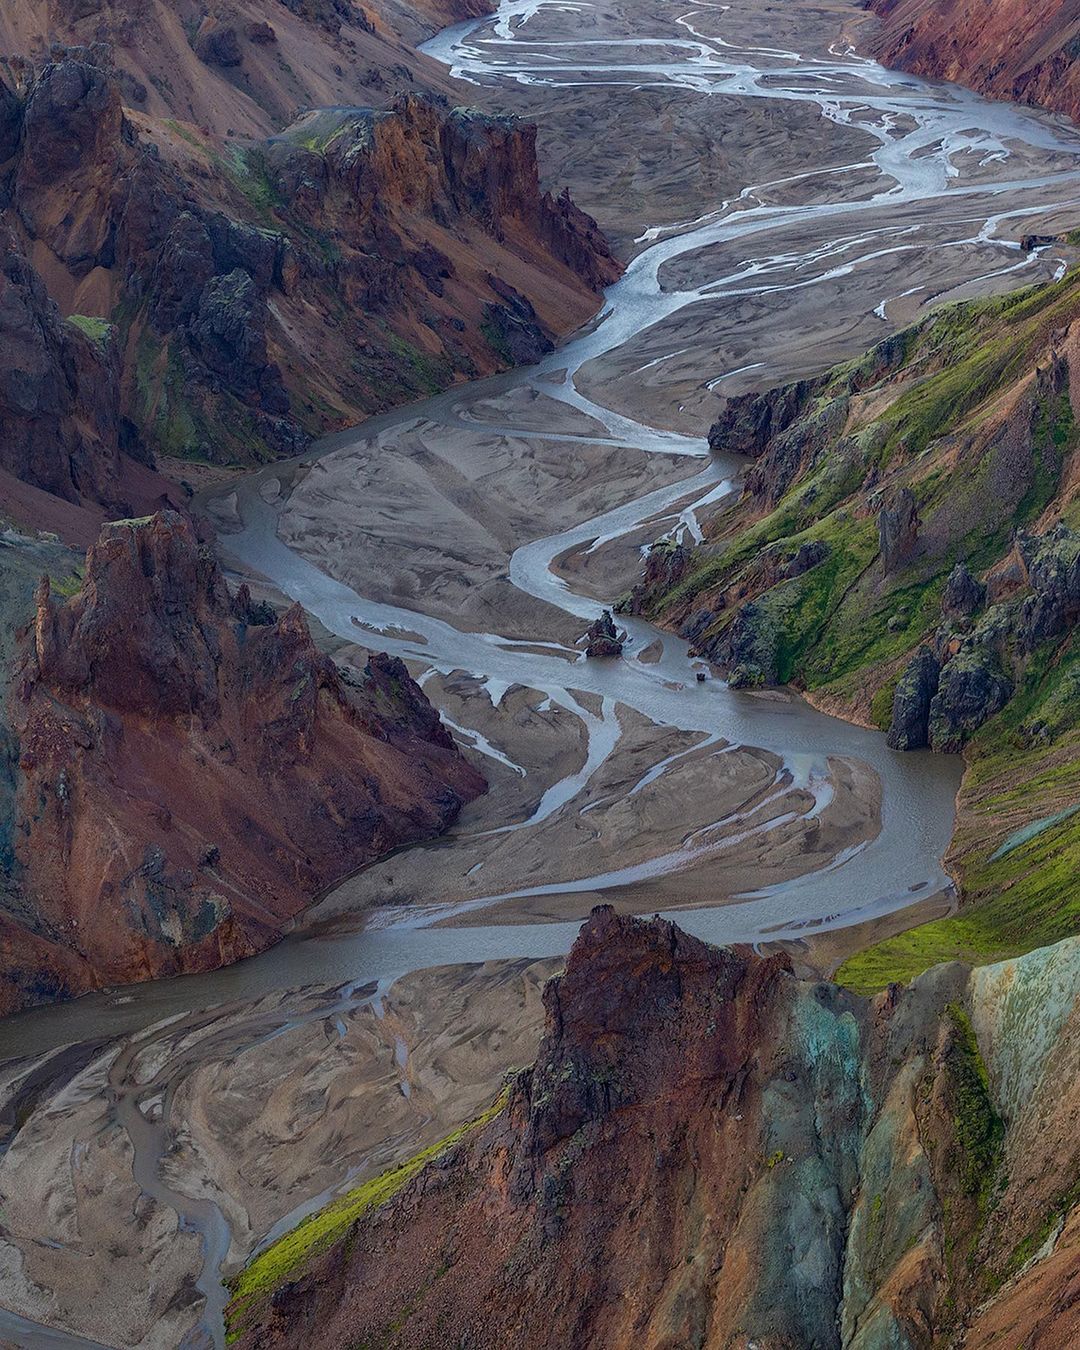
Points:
[(918, 139)]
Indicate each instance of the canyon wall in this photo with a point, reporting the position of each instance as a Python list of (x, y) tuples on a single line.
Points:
[(906, 548), (710, 1151), (1006, 49), (185, 771), (226, 303)]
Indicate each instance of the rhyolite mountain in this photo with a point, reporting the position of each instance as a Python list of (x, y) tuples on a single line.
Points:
[(710, 1151), (185, 771), (906, 548), (1007, 49), (245, 67), (174, 290)]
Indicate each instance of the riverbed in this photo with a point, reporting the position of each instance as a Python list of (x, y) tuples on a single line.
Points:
[(476, 534)]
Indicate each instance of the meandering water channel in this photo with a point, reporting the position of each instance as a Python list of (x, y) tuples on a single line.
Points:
[(921, 141)]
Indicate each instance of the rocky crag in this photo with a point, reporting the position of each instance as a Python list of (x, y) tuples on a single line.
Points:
[(1007, 49), (905, 549), (185, 771), (710, 1151), (174, 292)]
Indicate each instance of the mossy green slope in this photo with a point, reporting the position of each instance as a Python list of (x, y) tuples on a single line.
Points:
[(286, 1258), (964, 412)]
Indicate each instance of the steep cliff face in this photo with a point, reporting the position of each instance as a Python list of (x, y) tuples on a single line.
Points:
[(709, 1151), (189, 771), (226, 302), (60, 424), (1007, 49)]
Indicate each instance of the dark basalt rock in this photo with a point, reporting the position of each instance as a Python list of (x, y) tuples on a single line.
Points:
[(59, 424), (229, 335), (898, 530), (10, 122), (963, 596), (1052, 563), (911, 702), (748, 647), (217, 44), (749, 422), (972, 689), (185, 265), (515, 328), (602, 637)]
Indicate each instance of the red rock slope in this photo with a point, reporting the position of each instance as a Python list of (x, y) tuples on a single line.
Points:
[(227, 302), (1009, 49), (711, 1152), (191, 771), (244, 67)]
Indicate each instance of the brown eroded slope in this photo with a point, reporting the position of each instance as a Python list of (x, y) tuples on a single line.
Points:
[(712, 1152), (1007, 49), (244, 67), (229, 301), (189, 771)]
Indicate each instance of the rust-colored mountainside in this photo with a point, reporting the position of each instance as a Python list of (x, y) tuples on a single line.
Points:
[(183, 282), (712, 1152), (187, 771), (1008, 49)]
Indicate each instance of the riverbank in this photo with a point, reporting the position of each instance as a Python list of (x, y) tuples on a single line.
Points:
[(843, 187)]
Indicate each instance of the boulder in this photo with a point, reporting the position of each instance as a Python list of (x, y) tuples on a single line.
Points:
[(963, 596), (972, 689), (217, 44), (602, 638)]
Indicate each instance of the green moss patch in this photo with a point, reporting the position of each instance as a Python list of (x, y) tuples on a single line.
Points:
[(96, 330), (284, 1259)]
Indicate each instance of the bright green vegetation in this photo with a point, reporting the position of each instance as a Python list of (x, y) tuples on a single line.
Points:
[(248, 171), (166, 411), (938, 410), (317, 1233), (422, 373), (841, 620), (185, 134), (979, 1129), (97, 330), (1026, 896)]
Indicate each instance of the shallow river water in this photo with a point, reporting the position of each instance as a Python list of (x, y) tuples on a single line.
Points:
[(935, 157)]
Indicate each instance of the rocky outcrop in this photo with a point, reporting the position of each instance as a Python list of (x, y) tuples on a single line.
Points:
[(915, 690), (602, 637), (964, 596), (60, 425), (711, 1151), (1007, 49), (376, 240), (666, 564), (217, 44), (191, 771), (749, 422), (971, 690), (980, 655), (898, 530)]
